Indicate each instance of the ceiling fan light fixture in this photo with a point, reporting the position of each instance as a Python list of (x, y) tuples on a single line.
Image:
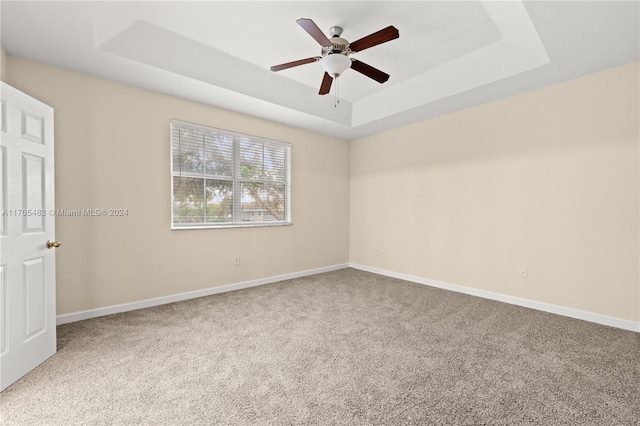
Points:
[(335, 64)]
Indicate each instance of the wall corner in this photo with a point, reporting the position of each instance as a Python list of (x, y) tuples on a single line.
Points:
[(3, 64)]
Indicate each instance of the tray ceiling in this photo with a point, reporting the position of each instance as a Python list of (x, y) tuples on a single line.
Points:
[(450, 55)]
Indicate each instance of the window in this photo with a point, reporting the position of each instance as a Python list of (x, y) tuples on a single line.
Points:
[(226, 179)]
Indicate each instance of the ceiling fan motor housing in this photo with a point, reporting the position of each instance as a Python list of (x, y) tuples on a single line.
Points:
[(335, 59), (338, 45)]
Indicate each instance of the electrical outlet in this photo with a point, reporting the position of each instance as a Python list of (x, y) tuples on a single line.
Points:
[(236, 260), (523, 273)]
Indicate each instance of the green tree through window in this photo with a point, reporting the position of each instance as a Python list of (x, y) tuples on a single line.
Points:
[(222, 178)]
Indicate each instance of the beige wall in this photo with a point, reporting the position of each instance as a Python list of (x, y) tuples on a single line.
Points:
[(547, 180), (112, 151), (3, 64)]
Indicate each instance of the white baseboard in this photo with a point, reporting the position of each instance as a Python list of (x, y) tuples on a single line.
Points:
[(540, 306), (555, 309), (125, 307)]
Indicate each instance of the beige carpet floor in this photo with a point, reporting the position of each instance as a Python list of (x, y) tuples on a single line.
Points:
[(340, 348)]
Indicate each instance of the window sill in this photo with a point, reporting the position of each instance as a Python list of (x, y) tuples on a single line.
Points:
[(231, 225)]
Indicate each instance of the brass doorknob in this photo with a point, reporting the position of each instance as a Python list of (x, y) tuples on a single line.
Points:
[(52, 244)]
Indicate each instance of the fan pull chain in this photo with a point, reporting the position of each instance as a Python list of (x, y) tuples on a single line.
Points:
[(336, 92)]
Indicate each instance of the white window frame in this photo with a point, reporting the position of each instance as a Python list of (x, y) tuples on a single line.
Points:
[(236, 179)]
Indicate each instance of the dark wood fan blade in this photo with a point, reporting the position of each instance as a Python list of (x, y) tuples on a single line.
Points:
[(325, 87), (369, 71), (379, 37), (292, 64), (309, 26)]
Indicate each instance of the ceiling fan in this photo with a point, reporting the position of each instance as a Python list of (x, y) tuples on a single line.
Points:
[(335, 53)]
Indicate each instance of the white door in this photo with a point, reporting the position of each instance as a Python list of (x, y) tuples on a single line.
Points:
[(27, 266)]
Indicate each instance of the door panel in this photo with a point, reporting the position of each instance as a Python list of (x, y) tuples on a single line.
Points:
[(3, 218), (3, 311), (34, 295), (32, 127), (33, 192)]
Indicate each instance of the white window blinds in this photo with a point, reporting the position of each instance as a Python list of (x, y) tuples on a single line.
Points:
[(222, 178)]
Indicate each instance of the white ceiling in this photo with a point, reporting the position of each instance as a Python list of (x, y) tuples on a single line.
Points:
[(450, 54)]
